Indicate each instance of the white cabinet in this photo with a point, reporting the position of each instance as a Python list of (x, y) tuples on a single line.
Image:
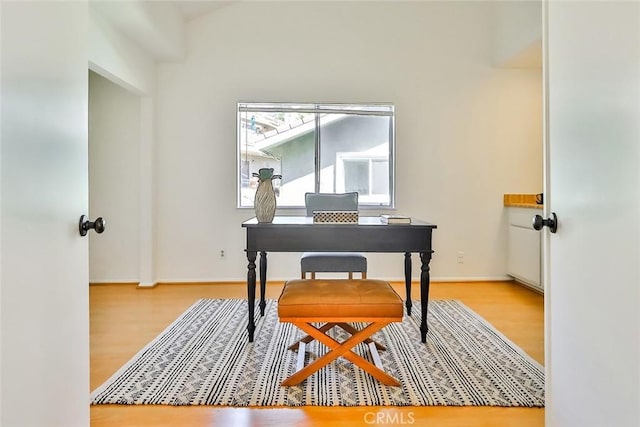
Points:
[(524, 247)]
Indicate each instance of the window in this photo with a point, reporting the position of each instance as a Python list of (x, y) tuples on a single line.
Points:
[(329, 148)]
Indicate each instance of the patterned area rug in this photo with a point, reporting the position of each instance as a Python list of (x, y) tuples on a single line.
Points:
[(204, 358)]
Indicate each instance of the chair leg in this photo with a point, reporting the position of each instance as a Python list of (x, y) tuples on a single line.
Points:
[(350, 275), (341, 349), (364, 275), (313, 275)]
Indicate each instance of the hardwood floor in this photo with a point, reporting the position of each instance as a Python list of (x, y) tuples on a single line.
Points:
[(124, 318)]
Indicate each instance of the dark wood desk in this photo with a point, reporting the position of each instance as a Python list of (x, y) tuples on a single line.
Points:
[(300, 234)]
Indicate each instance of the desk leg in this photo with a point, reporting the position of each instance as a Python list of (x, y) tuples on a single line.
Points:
[(251, 292), (425, 257), (407, 280), (263, 280)]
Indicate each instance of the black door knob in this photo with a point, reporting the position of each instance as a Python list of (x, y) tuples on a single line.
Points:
[(85, 225), (552, 222)]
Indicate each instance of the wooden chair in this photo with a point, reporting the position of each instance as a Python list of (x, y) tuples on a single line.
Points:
[(332, 262), (332, 303)]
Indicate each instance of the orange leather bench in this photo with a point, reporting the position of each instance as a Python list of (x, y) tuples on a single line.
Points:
[(338, 303)]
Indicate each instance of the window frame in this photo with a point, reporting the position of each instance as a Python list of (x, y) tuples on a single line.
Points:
[(343, 158), (361, 109)]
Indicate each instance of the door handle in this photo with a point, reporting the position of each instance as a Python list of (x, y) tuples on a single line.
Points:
[(85, 225), (552, 222)]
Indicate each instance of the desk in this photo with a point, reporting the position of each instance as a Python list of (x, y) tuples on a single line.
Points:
[(300, 234)]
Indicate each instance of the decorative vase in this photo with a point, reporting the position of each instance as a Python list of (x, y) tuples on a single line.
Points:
[(264, 202)]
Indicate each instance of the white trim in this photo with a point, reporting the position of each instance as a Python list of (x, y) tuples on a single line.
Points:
[(1, 287), (242, 279), (147, 284), (388, 279), (115, 282), (472, 279), (546, 238), (146, 218), (118, 282)]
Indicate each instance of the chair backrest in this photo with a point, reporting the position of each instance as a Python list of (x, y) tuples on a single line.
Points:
[(331, 202)]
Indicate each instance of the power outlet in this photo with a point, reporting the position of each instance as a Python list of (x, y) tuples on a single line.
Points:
[(460, 257), (222, 254)]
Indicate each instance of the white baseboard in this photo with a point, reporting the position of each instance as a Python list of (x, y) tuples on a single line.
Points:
[(112, 282), (471, 279), (116, 282), (148, 285), (504, 278)]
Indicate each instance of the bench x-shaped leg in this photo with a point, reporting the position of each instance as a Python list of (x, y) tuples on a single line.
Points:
[(341, 349), (327, 327)]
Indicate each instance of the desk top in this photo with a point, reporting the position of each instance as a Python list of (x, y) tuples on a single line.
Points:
[(307, 220)]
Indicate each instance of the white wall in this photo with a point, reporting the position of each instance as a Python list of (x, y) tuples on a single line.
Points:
[(466, 132), (114, 193), (116, 57), (119, 59)]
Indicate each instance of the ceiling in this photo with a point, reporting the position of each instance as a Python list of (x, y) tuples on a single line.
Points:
[(157, 27)]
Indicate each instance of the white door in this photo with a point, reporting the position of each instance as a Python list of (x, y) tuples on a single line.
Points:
[(593, 163), (44, 344)]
